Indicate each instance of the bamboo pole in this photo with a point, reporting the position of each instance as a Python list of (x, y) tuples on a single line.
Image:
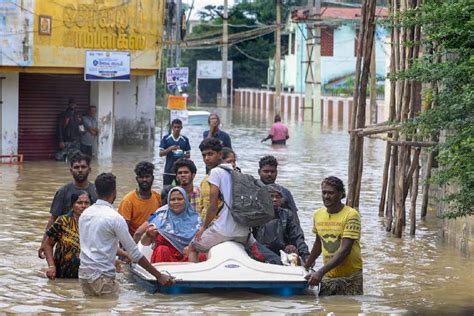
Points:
[(399, 201), (429, 163), (426, 186), (391, 188), (414, 192), (373, 87), (351, 181), (386, 165), (391, 115), (394, 153), (401, 115), (412, 143), (358, 141), (411, 170), (394, 88), (377, 130)]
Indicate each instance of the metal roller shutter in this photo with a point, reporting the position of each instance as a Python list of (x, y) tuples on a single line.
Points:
[(42, 97)]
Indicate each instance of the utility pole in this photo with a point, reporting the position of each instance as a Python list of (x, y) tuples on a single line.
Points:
[(278, 59), (178, 32), (317, 92), (313, 66), (373, 87), (225, 40)]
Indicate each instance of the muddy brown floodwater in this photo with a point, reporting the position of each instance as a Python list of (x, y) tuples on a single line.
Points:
[(409, 275)]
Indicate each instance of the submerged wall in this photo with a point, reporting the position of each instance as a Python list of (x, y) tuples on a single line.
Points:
[(458, 233)]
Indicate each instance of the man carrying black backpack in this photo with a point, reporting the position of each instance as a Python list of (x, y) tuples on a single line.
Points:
[(224, 228)]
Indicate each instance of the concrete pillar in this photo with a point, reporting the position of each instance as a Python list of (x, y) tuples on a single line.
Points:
[(9, 110), (350, 112), (346, 113), (102, 95), (135, 111), (323, 110), (292, 107), (301, 108), (238, 97), (340, 113), (267, 101), (330, 108)]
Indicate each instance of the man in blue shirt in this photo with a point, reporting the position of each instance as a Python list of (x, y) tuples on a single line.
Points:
[(214, 131), (173, 146)]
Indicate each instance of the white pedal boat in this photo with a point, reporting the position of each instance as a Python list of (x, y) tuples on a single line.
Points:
[(227, 267)]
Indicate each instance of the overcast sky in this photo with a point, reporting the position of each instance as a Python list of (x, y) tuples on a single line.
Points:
[(200, 4)]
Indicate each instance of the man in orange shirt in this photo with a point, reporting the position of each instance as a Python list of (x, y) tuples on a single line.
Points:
[(137, 206)]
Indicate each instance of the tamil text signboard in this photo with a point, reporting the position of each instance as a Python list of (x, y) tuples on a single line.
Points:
[(212, 69), (107, 66)]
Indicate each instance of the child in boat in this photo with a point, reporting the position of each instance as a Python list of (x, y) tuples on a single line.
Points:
[(171, 228)]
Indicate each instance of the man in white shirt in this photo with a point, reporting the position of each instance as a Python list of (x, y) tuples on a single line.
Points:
[(101, 229), (224, 228)]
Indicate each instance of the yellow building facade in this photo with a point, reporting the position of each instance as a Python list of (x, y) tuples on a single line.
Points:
[(44, 43)]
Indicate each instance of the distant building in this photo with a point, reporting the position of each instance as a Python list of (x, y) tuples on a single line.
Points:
[(43, 45), (243, 1), (338, 49)]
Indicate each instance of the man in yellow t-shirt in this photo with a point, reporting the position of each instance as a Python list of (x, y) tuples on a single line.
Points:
[(137, 206), (337, 229)]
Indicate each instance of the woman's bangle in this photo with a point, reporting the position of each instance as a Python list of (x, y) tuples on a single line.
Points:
[(51, 266)]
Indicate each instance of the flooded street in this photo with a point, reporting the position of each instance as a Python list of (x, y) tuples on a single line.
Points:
[(411, 275)]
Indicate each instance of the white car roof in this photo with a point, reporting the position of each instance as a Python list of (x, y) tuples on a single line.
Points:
[(192, 113)]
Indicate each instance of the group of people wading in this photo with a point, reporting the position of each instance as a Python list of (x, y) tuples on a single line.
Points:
[(85, 236)]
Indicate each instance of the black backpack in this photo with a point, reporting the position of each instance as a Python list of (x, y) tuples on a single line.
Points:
[(251, 202)]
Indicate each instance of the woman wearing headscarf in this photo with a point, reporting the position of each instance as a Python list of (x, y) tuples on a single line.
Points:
[(171, 228)]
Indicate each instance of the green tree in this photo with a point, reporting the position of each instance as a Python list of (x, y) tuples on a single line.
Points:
[(448, 65)]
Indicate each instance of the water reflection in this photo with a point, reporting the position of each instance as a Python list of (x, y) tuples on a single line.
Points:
[(413, 274)]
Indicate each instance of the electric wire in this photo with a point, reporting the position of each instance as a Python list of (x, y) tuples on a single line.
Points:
[(248, 56)]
